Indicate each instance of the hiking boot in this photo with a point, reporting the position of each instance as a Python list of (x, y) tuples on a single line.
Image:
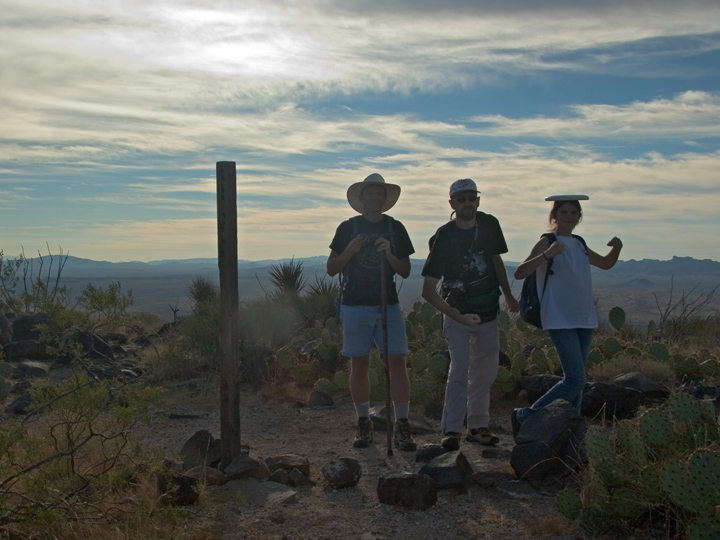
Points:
[(515, 421), (483, 436), (402, 437), (364, 436), (451, 441)]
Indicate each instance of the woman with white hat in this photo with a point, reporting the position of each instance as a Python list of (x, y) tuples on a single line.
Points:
[(567, 309)]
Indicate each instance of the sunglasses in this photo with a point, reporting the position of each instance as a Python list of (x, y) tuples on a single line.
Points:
[(466, 198)]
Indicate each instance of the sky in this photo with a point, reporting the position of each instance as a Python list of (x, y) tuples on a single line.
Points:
[(113, 115)]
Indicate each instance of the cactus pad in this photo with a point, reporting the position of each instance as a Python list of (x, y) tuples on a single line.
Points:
[(704, 528), (326, 385), (651, 478), (341, 380), (438, 366), (655, 427), (681, 491), (611, 347), (569, 504), (626, 503), (598, 444), (684, 407), (704, 471), (617, 317), (630, 441), (659, 352)]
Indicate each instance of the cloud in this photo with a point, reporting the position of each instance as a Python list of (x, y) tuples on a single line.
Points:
[(689, 114)]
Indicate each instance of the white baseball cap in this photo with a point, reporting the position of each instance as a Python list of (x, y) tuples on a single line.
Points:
[(465, 184)]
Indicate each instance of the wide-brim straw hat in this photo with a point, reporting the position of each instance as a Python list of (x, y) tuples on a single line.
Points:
[(392, 192)]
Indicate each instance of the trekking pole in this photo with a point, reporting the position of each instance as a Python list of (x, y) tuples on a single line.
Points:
[(383, 312)]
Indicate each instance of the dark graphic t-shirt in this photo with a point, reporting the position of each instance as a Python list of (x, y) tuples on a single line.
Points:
[(462, 259), (361, 276)]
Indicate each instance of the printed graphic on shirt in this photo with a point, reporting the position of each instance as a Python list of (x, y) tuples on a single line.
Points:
[(474, 272), (369, 256)]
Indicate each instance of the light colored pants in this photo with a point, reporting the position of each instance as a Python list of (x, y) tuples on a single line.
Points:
[(474, 358)]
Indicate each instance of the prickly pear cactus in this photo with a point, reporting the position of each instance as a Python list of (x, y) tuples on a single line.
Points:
[(326, 385), (704, 472), (704, 528), (681, 490), (655, 427), (598, 444), (595, 357), (611, 347), (341, 380), (651, 481), (659, 352), (438, 366), (617, 317), (630, 442), (569, 504), (684, 407)]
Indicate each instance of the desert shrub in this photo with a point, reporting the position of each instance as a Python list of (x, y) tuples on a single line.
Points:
[(622, 364)]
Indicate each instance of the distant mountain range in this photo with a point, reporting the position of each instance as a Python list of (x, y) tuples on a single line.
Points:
[(677, 266), (158, 286)]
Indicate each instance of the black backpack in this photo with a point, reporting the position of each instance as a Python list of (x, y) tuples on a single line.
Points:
[(529, 297)]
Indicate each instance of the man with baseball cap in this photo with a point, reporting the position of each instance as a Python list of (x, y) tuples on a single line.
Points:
[(465, 255), (355, 253)]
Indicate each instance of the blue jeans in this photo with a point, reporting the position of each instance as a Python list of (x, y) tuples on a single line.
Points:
[(572, 346)]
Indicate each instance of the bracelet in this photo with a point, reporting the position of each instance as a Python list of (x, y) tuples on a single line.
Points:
[(545, 256)]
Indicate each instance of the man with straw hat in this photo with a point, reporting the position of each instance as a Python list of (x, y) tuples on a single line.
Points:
[(465, 255), (356, 252)]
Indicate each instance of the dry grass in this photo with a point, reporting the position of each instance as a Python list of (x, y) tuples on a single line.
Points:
[(620, 365)]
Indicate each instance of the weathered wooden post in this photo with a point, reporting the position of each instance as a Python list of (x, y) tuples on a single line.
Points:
[(229, 338)]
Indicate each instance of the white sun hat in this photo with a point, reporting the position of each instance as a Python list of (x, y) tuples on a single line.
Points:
[(392, 191), (567, 198)]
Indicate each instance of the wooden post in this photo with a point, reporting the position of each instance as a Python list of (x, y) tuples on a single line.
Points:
[(229, 338)]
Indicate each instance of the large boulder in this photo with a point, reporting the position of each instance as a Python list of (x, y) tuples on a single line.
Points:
[(650, 389), (410, 490), (548, 444), (452, 470), (610, 401), (25, 327)]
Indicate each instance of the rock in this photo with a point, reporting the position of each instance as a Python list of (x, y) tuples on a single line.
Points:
[(28, 348), (33, 368), (94, 345), (318, 398), (492, 478), (410, 490), (547, 444), (206, 475), (246, 467), (342, 472), (427, 452), (202, 449), (502, 454), (650, 389), (6, 330), (24, 327), (254, 493), (178, 490), (280, 476), (20, 386), (20, 405), (610, 400), (537, 386), (288, 462), (377, 414), (298, 479), (450, 471)]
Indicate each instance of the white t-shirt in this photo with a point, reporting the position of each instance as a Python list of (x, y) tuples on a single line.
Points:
[(567, 301)]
